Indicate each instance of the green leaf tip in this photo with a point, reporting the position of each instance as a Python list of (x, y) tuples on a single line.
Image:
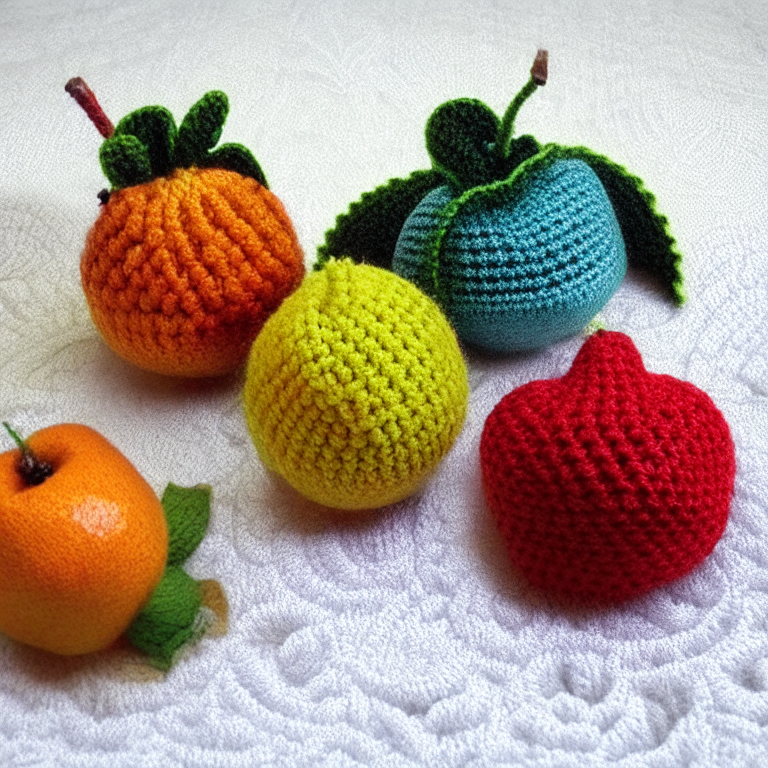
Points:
[(368, 232), (125, 161), (155, 128), (171, 620), (201, 128), (187, 511)]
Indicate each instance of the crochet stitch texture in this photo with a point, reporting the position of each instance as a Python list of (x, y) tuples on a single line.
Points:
[(181, 272), (609, 481), (356, 387), (517, 266)]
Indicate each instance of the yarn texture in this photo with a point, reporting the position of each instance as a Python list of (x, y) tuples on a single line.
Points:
[(520, 264), (181, 273), (609, 481), (520, 244), (356, 387), (191, 251)]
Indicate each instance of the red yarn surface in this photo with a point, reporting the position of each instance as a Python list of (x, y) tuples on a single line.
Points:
[(611, 480)]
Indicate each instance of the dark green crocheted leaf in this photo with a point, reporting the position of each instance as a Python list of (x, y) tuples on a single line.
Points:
[(155, 128), (187, 511), (125, 161), (650, 247), (368, 232), (520, 150), (235, 157), (460, 136), (200, 130), (169, 621)]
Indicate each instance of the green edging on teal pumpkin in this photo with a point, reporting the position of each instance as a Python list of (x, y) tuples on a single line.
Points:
[(368, 232), (649, 246), (147, 145)]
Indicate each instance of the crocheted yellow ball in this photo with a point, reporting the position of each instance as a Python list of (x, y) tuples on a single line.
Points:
[(356, 387)]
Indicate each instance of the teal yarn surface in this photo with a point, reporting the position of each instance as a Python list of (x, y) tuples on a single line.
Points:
[(517, 266)]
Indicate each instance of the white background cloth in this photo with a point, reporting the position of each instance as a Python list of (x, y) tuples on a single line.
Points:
[(401, 638)]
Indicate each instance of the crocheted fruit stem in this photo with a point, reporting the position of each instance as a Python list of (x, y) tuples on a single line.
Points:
[(32, 470), (84, 96), (538, 77)]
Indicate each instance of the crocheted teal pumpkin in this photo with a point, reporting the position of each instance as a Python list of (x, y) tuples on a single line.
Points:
[(520, 244)]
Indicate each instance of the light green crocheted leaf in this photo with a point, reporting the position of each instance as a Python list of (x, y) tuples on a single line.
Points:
[(170, 620), (187, 511)]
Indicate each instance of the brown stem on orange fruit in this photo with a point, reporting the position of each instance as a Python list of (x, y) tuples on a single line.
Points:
[(32, 470), (84, 96)]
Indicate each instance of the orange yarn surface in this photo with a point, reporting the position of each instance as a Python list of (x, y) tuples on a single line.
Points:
[(180, 273), (80, 553)]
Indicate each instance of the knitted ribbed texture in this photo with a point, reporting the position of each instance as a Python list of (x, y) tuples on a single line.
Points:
[(519, 265), (609, 481), (356, 387), (181, 273)]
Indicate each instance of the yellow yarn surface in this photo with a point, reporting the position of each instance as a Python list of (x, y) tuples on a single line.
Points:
[(356, 387)]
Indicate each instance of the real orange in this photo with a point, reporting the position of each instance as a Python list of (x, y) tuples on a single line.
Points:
[(180, 273), (82, 551)]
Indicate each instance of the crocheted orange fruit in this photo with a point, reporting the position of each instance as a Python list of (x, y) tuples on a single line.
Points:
[(611, 480), (191, 251), (88, 552)]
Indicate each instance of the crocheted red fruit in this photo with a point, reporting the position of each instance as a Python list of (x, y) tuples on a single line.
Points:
[(611, 480)]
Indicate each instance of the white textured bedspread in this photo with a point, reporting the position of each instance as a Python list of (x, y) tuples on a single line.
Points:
[(401, 638)]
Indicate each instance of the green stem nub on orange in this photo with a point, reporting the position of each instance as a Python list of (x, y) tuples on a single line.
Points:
[(84, 96), (32, 470)]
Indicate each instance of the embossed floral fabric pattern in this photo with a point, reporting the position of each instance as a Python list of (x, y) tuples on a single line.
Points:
[(401, 638)]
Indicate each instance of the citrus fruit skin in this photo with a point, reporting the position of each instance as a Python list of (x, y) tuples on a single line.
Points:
[(180, 273), (355, 388), (81, 553)]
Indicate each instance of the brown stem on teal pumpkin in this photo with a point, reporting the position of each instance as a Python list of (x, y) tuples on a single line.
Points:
[(538, 77), (85, 97), (32, 470)]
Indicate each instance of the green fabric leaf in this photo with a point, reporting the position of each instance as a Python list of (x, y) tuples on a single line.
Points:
[(200, 130), (125, 161), (235, 157), (368, 232), (187, 511), (155, 128), (650, 247), (169, 621), (460, 139)]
